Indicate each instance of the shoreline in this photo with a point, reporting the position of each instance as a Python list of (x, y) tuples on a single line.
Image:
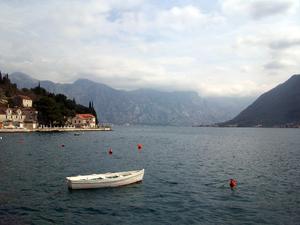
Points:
[(56, 129)]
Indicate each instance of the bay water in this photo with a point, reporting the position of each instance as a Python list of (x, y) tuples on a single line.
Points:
[(187, 172)]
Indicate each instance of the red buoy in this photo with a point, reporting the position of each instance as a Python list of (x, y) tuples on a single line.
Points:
[(233, 183), (110, 151), (139, 146)]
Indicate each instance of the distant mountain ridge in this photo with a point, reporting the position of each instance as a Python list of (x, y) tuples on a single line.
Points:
[(278, 107), (143, 106)]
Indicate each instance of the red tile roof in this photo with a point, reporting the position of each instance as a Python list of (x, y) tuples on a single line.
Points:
[(85, 116)]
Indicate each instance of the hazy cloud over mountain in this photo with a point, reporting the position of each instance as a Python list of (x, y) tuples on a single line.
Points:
[(229, 47)]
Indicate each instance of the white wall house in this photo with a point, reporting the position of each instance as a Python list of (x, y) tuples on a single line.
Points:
[(12, 118), (27, 102), (23, 101), (84, 121), (18, 118)]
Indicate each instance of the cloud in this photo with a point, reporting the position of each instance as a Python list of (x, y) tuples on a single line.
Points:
[(276, 65), (185, 18), (261, 9), (152, 24), (275, 49), (284, 37), (258, 9), (228, 47), (284, 43)]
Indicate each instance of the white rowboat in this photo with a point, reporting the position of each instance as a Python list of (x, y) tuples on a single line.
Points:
[(105, 180)]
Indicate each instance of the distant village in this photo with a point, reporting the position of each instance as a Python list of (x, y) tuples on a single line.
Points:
[(56, 112), (24, 116)]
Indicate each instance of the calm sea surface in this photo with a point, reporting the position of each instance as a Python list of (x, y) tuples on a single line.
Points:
[(186, 176)]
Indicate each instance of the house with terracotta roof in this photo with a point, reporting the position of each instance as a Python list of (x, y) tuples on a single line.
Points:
[(84, 121)]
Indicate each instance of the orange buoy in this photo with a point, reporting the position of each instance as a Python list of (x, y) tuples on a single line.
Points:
[(110, 151), (139, 146), (232, 183)]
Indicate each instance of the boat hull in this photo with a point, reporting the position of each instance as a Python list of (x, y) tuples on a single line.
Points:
[(136, 177)]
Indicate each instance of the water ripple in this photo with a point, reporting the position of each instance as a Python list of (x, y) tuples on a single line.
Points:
[(186, 178)]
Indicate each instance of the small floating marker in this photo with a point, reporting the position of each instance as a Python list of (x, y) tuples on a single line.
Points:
[(0, 138), (110, 151), (232, 183), (139, 146), (62, 146)]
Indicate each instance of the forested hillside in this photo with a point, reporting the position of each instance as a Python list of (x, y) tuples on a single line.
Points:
[(53, 109)]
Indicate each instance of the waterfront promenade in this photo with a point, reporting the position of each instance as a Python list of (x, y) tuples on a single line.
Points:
[(53, 129)]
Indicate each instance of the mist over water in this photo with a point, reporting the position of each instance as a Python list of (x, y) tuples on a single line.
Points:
[(187, 172)]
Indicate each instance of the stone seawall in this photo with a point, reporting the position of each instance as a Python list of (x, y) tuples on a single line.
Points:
[(55, 129)]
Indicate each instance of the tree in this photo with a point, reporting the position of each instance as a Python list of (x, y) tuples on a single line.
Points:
[(93, 111), (39, 91), (49, 112)]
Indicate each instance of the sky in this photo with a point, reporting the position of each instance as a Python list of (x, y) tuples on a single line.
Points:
[(214, 47)]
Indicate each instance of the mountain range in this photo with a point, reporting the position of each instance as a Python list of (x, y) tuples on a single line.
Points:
[(142, 106), (279, 107)]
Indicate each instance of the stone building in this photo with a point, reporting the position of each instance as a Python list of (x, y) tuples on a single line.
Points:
[(84, 121), (18, 118)]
